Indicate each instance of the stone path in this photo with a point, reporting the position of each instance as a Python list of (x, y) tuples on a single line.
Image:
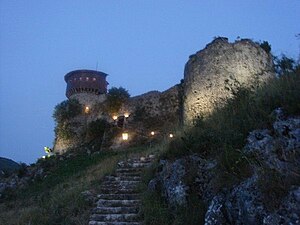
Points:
[(119, 199)]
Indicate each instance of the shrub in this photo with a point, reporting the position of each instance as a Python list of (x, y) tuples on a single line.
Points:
[(65, 130), (265, 46), (96, 128), (115, 98), (67, 110)]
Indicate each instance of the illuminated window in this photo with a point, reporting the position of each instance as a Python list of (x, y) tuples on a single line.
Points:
[(87, 78), (94, 79), (80, 78)]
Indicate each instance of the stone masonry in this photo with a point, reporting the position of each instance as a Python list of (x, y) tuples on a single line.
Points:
[(212, 74), (119, 199)]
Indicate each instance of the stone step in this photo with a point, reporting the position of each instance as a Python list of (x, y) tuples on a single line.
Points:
[(115, 187), (119, 196), (134, 165), (114, 223), (129, 174), (120, 182), (122, 178), (132, 217), (129, 169), (109, 190), (115, 210), (117, 203)]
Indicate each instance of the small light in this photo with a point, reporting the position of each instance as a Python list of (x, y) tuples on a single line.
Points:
[(125, 136), (115, 117), (86, 109), (171, 135), (44, 157), (152, 133), (126, 115)]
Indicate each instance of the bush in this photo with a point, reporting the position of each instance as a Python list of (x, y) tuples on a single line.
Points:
[(116, 97), (65, 130), (265, 46), (96, 128), (63, 113), (67, 110)]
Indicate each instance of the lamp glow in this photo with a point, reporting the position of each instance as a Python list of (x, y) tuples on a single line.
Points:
[(171, 135), (125, 136), (126, 115), (115, 117), (152, 133), (86, 109)]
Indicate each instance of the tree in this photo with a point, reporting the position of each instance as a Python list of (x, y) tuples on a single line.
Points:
[(265, 46), (67, 110), (116, 97), (63, 113), (285, 65)]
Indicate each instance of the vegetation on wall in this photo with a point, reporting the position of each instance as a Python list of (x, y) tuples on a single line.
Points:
[(63, 113), (96, 128), (67, 110), (116, 97), (265, 46)]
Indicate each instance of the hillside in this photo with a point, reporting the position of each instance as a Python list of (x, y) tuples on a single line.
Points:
[(7, 166), (236, 160)]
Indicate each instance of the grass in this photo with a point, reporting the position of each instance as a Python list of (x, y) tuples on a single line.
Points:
[(57, 199), (230, 124), (222, 135)]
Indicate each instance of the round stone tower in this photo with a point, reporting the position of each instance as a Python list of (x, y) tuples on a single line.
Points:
[(214, 73), (87, 86)]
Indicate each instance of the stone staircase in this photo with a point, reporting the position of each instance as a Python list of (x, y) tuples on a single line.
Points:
[(119, 198)]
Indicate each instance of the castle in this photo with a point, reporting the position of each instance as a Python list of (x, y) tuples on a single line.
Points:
[(86, 86), (210, 77)]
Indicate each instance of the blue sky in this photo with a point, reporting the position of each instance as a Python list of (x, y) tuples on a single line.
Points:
[(142, 45)]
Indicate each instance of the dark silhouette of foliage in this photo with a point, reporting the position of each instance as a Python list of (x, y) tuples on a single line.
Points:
[(67, 110), (115, 98), (265, 46), (96, 128), (285, 65)]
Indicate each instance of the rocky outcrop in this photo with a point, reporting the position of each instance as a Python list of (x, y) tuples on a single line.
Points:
[(174, 179), (21, 178), (271, 195), (214, 73)]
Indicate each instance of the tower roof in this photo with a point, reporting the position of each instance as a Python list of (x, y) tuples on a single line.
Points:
[(84, 72)]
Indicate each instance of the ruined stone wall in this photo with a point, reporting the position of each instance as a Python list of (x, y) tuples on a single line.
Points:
[(212, 74), (160, 106)]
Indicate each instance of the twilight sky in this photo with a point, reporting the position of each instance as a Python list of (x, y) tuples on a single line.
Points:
[(142, 45)]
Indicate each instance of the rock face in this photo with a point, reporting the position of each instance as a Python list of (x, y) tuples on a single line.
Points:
[(271, 195), (175, 178), (212, 74)]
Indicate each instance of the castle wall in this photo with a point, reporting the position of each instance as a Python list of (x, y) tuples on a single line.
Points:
[(88, 99), (164, 105), (212, 74)]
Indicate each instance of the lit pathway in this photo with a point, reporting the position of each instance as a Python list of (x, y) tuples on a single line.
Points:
[(119, 199)]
